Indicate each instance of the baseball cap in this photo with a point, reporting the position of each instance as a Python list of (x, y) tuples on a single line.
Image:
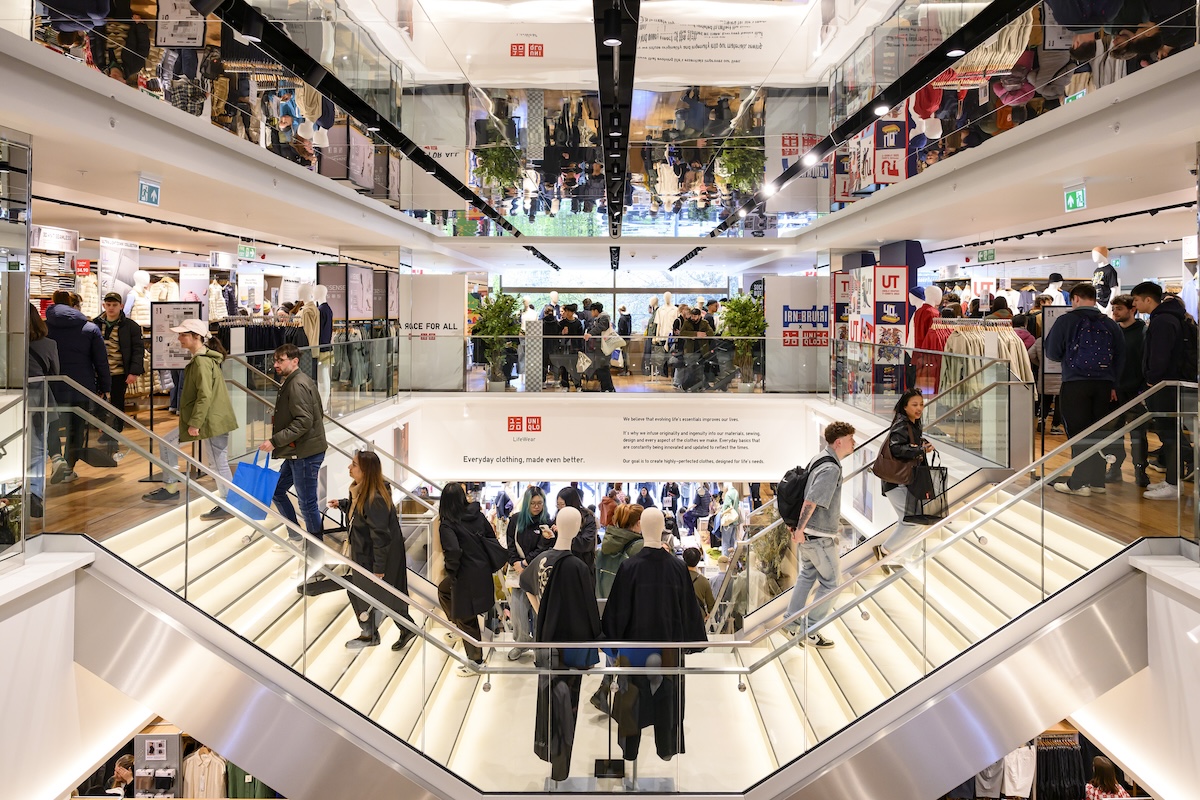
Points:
[(195, 326), (112, 297)]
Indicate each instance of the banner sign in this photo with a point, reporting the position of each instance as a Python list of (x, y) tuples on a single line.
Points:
[(360, 293), (891, 326), (165, 350), (798, 324), (193, 285), (53, 240), (432, 315), (332, 276), (890, 163), (118, 263)]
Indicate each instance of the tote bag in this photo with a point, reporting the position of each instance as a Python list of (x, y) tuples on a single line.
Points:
[(927, 502), (256, 480), (891, 469)]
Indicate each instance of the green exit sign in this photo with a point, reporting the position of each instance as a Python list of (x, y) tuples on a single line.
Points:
[(987, 255), (247, 252), (1075, 199), (1071, 98), (149, 192)]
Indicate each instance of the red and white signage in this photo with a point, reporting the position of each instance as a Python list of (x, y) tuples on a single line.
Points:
[(83, 266)]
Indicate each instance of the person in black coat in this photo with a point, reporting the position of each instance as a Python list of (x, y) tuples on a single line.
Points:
[(550, 344), (584, 544), (907, 443), (467, 590), (125, 352), (652, 600), (82, 358), (376, 545), (528, 535)]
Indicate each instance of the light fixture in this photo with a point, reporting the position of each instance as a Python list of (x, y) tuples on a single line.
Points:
[(373, 127), (5, 167), (741, 212), (957, 52), (614, 123), (431, 170), (252, 31), (809, 159), (768, 190), (612, 28), (881, 109), (614, 154)]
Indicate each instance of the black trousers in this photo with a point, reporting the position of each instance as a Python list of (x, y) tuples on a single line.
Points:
[(469, 626), (370, 625), (1083, 404), (1137, 436), (1166, 401), (604, 375), (116, 398)]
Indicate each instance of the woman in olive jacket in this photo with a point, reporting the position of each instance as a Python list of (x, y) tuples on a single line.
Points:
[(467, 590), (376, 545)]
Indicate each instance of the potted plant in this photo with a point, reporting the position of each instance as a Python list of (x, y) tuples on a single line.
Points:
[(743, 317), (496, 325), (498, 165), (742, 161)]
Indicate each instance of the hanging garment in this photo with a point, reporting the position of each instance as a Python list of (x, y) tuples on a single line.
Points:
[(203, 775), (987, 782), (216, 303), (1019, 766), (230, 292), (89, 291), (137, 307), (165, 291)]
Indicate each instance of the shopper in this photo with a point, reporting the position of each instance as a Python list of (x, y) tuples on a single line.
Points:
[(622, 539), (729, 520), (584, 545), (1164, 359), (1091, 349), (1049, 384), (126, 355), (703, 589), (644, 498), (42, 363), (1104, 783), (600, 323), (467, 590), (1000, 309), (81, 358), (376, 545), (528, 534), (816, 533), (570, 347), (670, 497), (906, 442), (551, 344), (298, 437), (1130, 386), (205, 415)]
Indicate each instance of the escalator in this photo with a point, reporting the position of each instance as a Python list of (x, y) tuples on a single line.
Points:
[(938, 669)]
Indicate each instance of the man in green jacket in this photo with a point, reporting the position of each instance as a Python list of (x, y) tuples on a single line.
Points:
[(205, 415), (298, 437)]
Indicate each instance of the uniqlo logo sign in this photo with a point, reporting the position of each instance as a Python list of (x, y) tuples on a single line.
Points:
[(533, 424), (791, 338), (537, 50), (791, 145), (814, 338), (515, 424), (516, 50)]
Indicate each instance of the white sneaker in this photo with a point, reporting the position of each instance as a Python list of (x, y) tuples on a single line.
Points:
[(1098, 490), (1065, 488), (1158, 485), (1167, 492), (466, 672)]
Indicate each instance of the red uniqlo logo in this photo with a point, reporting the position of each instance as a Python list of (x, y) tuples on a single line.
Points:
[(791, 144), (514, 424), (791, 338), (516, 50), (537, 50), (533, 424)]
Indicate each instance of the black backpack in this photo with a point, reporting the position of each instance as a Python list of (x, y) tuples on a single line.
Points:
[(790, 491)]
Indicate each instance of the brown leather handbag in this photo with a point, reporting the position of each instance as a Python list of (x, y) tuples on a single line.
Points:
[(891, 469)]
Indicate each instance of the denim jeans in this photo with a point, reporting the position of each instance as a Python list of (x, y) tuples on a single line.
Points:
[(522, 613), (301, 473), (214, 451), (819, 564)]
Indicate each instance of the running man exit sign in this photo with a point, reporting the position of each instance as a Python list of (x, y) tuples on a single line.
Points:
[(1075, 198)]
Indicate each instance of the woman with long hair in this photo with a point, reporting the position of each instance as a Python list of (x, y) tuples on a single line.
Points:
[(376, 545), (528, 534), (467, 590), (1104, 781), (907, 443), (584, 543)]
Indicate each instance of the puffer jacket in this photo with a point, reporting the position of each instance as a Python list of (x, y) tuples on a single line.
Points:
[(205, 403), (298, 425), (81, 353)]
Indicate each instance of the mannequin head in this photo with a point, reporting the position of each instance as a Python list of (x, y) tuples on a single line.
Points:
[(933, 296), (653, 303), (916, 297), (568, 523), (1056, 280), (701, 302), (306, 293), (320, 293), (1100, 255), (653, 523), (554, 298), (141, 279), (667, 297), (524, 304)]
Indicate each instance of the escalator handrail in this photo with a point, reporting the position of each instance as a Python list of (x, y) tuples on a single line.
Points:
[(429, 506), (894, 558), (328, 420)]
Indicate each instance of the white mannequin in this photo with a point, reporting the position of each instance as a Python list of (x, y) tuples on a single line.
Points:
[(1100, 255), (137, 304), (325, 359), (554, 304), (567, 523), (529, 314), (1103, 274), (653, 524), (1055, 290), (664, 318)]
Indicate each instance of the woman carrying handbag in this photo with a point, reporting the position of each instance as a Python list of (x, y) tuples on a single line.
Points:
[(905, 448)]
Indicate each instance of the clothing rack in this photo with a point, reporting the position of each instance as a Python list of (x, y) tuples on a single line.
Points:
[(242, 322), (958, 323)]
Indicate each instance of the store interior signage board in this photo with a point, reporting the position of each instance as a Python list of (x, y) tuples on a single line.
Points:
[(165, 350), (247, 252), (1075, 198), (53, 240), (985, 256)]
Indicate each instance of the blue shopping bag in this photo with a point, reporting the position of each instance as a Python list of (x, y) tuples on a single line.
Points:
[(256, 480)]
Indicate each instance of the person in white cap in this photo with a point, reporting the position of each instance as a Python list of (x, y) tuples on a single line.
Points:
[(205, 413)]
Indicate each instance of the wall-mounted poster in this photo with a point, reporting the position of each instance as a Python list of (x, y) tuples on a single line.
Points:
[(379, 300), (178, 25), (332, 276), (360, 293)]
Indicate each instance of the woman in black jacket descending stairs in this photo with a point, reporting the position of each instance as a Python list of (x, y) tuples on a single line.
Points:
[(908, 444)]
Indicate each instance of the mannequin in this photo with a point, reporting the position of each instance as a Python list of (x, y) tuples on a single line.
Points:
[(137, 304), (216, 302), (664, 318), (561, 591), (652, 599), (1055, 290), (310, 317), (324, 337), (528, 312), (555, 305), (927, 302), (1104, 277)]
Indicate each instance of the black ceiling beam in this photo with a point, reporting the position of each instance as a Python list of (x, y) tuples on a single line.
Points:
[(978, 30), (539, 255), (695, 251), (614, 258), (614, 70), (241, 16)]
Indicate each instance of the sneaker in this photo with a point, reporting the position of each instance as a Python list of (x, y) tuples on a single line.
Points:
[(1156, 485), (1113, 474), (215, 513), (1140, 477), (362, 642), (1057, 430), (818, 641), (515, 653), (880, 555), (70, 476), (406, 637), (1065, 488), (161, 496), (1167, 492), (59, 469), (1098, 490), (466, 671), (1157, 467)]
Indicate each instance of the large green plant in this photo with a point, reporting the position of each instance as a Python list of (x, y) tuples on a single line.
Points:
[(743, 317), (497, 323), (498, 165), (742, 160)]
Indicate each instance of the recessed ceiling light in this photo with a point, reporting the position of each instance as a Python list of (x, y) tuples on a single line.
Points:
[(881, 109), (769, 189), (809, 159), (957, 52), (742, 212)]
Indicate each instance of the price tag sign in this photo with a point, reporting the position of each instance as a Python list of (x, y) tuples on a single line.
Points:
[(165, 350)]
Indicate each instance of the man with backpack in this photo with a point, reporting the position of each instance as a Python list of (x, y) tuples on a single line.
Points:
[(1168, 354), (810, 502), (1091, 349)]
